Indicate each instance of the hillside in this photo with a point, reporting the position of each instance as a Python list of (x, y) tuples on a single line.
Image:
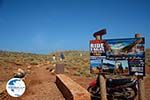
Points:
[(76, 66), (11, 61), (76, 62), (37, 74)]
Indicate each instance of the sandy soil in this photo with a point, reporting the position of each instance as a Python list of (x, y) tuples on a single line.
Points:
[(40, 85)]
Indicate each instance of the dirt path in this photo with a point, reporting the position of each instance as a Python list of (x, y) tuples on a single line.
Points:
[(40, 86)]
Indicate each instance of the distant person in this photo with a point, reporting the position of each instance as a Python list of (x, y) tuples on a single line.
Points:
[(81, 54), (62, 57), (54, 58)]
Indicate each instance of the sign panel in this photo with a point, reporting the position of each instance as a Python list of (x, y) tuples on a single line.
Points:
[(97, 48), (97, 54), (123, 56)]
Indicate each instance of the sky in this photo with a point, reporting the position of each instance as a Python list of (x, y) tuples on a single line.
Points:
[(43, 26)]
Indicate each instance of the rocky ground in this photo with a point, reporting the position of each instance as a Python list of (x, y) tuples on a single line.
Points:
[(40, 85), (40, 81)]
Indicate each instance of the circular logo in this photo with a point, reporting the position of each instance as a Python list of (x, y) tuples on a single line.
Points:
[(15, 87)]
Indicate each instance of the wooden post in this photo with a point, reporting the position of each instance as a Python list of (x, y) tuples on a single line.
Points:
[(102, 80), (141, 88), (103, 91), (59, 68)]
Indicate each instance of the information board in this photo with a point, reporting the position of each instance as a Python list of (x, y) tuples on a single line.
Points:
[(123, 56)]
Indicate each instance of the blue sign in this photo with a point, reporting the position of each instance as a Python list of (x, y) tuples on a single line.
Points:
[(124, 56)]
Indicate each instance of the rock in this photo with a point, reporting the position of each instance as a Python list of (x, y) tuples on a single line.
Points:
[(20, 70), (29, 67), (38, 66), (70, 89), (52, 71), (20, 73), (47, 68), (28, 71), (48, 62), (54, 65)]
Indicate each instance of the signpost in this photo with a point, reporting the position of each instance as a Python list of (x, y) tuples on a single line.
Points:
[(97, 51), (141, 90), (127, 53), (125, 56)]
